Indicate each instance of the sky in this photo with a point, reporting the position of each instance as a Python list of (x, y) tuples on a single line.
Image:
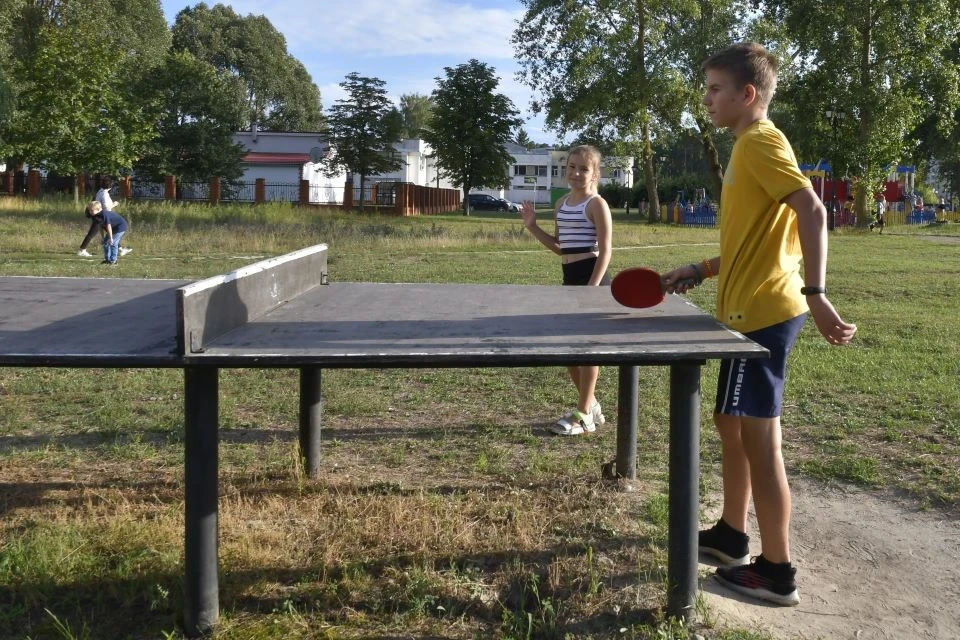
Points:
[(405, 43)]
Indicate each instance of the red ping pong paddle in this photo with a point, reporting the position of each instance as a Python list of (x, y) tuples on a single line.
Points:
[(639, 288)]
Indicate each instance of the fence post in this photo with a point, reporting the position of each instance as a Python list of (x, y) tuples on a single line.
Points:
[(170, 188), (215, 190), (304, 196), (348, 194), (33, 183), (260, 191)]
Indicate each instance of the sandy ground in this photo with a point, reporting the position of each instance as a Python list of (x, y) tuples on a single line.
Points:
[(870, 566)]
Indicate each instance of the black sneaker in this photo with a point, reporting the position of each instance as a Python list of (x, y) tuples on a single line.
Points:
[(726, 544), (764, 580)]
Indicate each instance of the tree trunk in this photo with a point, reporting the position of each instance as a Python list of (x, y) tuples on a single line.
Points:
[(866, 123), (650, 177), (363, 179), (466, 199), (714, 168)]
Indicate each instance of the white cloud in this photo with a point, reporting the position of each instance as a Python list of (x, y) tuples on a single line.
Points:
[(392, 28)]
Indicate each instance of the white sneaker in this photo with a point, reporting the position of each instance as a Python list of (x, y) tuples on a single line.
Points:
[(124, 251), (598, 417), (83, 253), (574, 423)]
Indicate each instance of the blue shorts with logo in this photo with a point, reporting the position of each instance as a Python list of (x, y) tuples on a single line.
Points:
[(754, 387)]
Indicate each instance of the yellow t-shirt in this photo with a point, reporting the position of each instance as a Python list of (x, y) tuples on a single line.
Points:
[(760, 253)]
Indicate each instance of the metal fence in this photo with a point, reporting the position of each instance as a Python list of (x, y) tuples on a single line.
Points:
[(146, 190), (238, 192), (282, 191)]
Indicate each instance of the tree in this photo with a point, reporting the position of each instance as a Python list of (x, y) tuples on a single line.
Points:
[(696, 30), (200, 109), (886, 65), (363, 127), (471, 126), (8, 12), (74, 110), (601, 65), (280, 94), (416, 110), (523, 139)]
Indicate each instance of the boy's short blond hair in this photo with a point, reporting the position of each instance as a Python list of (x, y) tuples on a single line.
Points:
[(747, 63), (93, 208)]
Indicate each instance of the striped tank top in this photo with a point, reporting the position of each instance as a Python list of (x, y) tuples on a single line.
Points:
[(577, 234)]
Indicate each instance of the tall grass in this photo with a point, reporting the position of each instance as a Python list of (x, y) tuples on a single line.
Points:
[(444, 509)]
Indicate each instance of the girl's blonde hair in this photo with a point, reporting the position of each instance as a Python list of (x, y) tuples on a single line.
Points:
[(591, 154), (93, 208)]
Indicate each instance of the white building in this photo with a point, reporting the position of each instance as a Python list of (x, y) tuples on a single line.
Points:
[(286, 157), (540, 174)]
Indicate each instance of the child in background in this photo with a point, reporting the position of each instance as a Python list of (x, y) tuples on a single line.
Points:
[(582, 239), (112, 226), (107, 204)]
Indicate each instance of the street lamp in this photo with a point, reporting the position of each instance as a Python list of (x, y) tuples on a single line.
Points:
[(835, 116)]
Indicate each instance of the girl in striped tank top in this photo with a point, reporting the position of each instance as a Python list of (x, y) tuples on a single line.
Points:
[(582, 239)]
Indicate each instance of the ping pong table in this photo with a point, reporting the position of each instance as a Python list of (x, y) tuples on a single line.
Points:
[(285, 313)]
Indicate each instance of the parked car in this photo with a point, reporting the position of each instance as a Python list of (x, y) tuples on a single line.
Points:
[(486, 202)]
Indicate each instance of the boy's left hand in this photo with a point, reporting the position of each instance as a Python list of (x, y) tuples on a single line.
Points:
[(829, 323)]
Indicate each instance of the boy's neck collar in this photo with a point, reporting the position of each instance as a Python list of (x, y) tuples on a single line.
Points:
[(748, 122)]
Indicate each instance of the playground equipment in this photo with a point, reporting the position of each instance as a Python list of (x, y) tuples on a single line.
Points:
[(696, 212)]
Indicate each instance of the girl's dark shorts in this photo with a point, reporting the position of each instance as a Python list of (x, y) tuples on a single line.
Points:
[(754, 387), (578, 273)]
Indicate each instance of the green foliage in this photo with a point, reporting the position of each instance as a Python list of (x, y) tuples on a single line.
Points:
[(200, 108), (363, 127), (471, 127), (416, 110), (886, 66), (279, 93), (74, 109), (602, 68), (523, 139)]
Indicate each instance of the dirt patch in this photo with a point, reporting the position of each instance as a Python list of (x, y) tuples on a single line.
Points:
[(869, 566)]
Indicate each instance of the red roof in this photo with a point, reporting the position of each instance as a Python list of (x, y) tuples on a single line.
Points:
[(255, 157)]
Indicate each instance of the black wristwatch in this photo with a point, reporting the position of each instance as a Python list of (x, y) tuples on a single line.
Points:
[(811, 291)]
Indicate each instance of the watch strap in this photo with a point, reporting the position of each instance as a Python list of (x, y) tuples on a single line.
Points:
[(810, 291)]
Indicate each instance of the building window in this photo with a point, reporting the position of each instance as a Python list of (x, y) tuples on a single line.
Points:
[(554, 171), (542, 170), (519, 169)]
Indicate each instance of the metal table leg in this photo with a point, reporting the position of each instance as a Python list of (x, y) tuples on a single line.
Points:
[(311, 410), (684, 501), (201, 590), (627, 390)]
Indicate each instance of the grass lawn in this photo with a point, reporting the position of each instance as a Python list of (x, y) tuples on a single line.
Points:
[(443, 510)]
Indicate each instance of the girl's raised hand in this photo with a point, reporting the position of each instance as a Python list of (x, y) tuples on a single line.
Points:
[(528, 213)]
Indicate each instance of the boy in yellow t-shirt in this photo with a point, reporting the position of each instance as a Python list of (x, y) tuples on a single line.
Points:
[(770, 218)]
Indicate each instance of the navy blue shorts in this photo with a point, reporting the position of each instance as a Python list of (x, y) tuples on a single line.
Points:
[(754, 387), (578, 273)]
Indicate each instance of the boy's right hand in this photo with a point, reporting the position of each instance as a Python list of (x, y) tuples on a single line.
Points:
[(528, 213), (679, 280)]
